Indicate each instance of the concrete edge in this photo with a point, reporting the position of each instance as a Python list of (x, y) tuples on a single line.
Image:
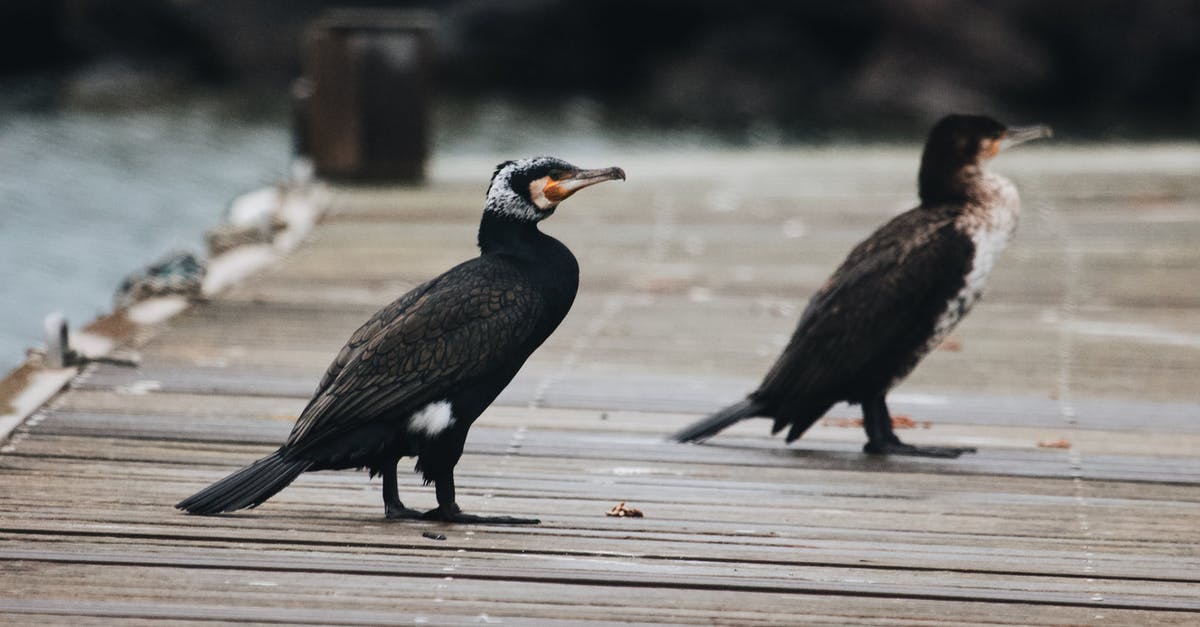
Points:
[(30, 386)]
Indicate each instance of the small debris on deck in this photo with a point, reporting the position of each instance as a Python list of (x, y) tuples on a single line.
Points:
[(620, 510), (899, 421), (950, 344)]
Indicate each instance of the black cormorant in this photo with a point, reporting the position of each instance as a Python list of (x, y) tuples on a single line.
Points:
[(896, 295), (413, 378)]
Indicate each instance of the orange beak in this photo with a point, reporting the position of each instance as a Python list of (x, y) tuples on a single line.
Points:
[(557, 191)]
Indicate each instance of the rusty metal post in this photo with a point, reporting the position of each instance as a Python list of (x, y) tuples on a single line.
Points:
[(364, 113)]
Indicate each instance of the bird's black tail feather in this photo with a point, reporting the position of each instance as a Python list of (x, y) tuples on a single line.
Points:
[(247, 487), (703, 429), (800, 417)]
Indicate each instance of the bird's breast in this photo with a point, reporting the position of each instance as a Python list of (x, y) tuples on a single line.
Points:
[(990, 224)]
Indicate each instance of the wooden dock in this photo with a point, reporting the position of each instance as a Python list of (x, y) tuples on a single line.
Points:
[(693, 275)]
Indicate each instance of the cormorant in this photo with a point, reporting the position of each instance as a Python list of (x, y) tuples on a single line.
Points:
[(414, 377), (896, 295)]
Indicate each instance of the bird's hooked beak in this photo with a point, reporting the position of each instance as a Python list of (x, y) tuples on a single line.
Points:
[(558, 190), (1020, 134)]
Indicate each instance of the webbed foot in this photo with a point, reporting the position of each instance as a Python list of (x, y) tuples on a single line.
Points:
[(899, 448), (456, 515), (400, 512)]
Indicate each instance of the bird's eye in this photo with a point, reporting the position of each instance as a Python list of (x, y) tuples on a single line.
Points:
[(556, 174)]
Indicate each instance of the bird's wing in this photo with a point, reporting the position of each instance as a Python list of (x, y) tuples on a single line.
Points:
[(368, 330), (883, 298), (416, 350)]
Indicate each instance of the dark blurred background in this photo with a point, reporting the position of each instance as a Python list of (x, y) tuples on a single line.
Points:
[(806, 70)]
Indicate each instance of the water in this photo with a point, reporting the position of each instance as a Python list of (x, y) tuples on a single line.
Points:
[(87, 197)]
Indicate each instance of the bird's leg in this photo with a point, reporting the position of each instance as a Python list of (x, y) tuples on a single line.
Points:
[(882, 440), (392, 507), (877, 422), (449, 511)]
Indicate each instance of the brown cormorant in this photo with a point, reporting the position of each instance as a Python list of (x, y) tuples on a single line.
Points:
[(896, 295), (413, 378)]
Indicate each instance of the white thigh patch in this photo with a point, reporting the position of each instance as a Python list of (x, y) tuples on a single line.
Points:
[(432, 419)]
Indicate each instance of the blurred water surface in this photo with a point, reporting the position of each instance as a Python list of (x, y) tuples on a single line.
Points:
[(87, 197)]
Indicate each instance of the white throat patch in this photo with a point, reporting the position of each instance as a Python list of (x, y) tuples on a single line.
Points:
[(432, 419), (537, 191)]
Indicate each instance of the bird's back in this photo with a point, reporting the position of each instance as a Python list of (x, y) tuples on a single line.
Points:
[(864, 328)]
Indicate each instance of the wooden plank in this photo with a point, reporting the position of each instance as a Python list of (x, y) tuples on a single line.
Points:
[(622, 573), (731, 449), (467, 601), (659, 393)]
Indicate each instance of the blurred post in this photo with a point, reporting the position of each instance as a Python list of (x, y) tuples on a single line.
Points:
[(362, 106)]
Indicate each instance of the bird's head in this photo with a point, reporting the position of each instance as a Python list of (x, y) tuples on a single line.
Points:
[(959, 146), (963, 140), (531, 189)]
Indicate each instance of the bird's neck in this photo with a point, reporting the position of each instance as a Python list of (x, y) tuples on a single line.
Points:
[(545, 261), (504, 234), (958, 185)]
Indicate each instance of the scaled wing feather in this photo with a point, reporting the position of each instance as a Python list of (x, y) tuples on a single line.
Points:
[(415, 351)]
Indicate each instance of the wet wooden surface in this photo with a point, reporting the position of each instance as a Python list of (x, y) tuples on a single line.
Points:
[(693, 274)]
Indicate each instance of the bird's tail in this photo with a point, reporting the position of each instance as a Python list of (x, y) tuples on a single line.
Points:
[(800, 416), (703, 429), (247, 487)]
